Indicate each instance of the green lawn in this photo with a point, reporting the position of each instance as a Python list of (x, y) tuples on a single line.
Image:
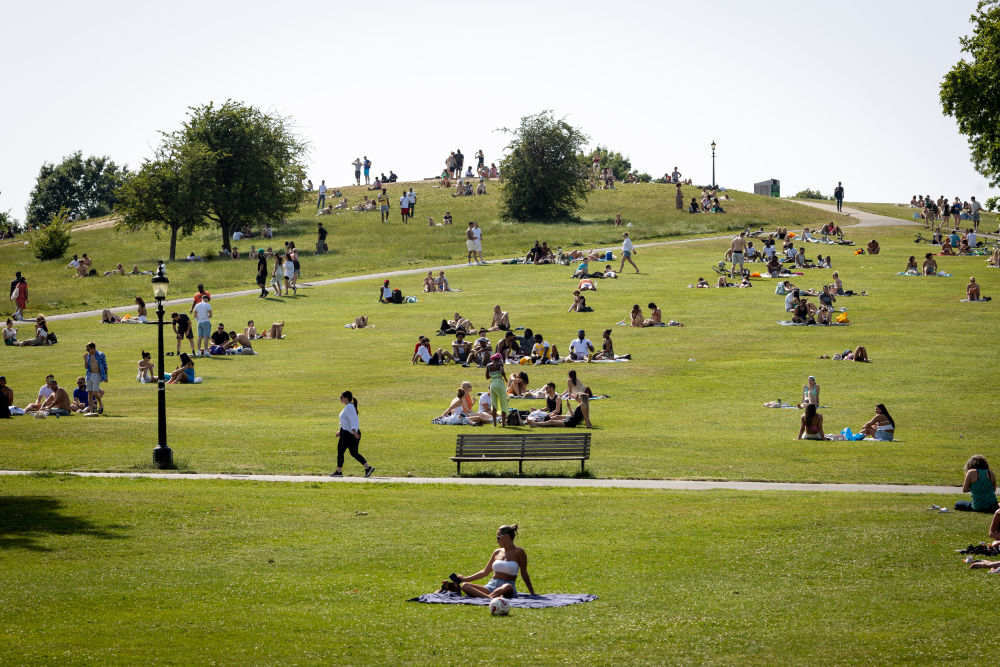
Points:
[(687, 406), (360, 244), (142, 571)]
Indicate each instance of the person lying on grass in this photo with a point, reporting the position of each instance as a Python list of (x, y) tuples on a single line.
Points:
[(240, 341), (980, 563), (504, 565), (881, 426), (860, 353), (571, 420), (811, 426), (702, 283), (360, 322), (184, 374), (981, 483)]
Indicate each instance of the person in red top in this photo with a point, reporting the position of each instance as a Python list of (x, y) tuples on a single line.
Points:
[(198, 296), (19, 295)]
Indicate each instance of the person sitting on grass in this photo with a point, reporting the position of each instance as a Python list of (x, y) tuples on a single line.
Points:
[(702, 283), (57, 402), (946, 247), (81, 400), (505, 563), (422, 353), (911, 266), (184, 374), (972, 291), (774, 268), (430, 285), (517, 385), (982, 484), (881, 426), (461, 404), (607, 350), (482, 349), (145, 368), (541, 351), (811, 426), (41, 336), (508, 347), (441, 283), (963, 247), (873, 247), (9, 333), (693, 206), (385, 293), (460, 349), (579, 304), (655, 318), (930, 267), (582, 269), (501, 320), (241, 343), (580, 348)]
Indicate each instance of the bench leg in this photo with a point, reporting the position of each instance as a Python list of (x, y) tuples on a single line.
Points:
[(520, 467), (459, 464), (582, 469)]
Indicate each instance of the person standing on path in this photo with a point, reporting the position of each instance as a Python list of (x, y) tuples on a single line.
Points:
[(198, 296), (349, 436), (975, 208), (477, 234), (278, 274), (320, 239), (470, 241), (404, 206), (459, 162), (679, 198), (368, 168), (838, 194), (357, 171), (262, 272), (203, 315), (96, 366), (19, 295), (383, 205), (627, 250), (321, 202), (738, 246)]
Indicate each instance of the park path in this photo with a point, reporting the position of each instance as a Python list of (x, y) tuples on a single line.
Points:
[(863, 220), (560, 482)]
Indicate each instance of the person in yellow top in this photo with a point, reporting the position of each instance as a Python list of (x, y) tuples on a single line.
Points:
[(383, 205)]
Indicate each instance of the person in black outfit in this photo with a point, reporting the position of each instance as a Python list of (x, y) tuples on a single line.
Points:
[(321, 239), (262, 272), (838, 194)]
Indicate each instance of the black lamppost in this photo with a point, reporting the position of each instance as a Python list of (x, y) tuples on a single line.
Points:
[(163, 457), (713, 164)]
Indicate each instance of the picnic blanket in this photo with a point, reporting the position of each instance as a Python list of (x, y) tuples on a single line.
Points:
[(983, 300), (789, 323), (518, 601), (939, 274), (782, 275)]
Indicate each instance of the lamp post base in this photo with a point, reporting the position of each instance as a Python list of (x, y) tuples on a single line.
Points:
[(163, 458)]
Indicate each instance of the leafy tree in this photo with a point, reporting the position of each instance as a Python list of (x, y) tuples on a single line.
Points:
[(170, 190), (544, 174), (84, 187), (620, 165), (256, 163), (811, 194), (52, 240), (8, 223), (970, 91), (991, 203)]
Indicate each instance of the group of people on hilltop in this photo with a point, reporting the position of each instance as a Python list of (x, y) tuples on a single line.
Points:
[(932, 210)]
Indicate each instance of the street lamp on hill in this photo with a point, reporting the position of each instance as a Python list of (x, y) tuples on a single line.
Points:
[(713, 164), (163, 457)]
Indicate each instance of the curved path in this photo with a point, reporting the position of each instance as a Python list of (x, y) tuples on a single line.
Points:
[(570, 482), (863, 220)]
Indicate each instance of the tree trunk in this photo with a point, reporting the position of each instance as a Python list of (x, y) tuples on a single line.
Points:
[(173, 243), (227, 229)]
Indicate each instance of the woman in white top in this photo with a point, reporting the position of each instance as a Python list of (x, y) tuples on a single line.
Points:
[(350, 435), (504, 565)]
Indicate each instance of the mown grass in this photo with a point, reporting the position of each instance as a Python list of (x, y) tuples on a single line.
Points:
[(688, 405), (128, 571), (360, 244)]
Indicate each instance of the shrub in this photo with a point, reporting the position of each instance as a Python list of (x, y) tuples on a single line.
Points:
[(811, 194), (991, 203), (52, 241)]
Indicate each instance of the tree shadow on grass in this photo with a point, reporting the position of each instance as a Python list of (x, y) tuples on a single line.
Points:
[(25, 520)]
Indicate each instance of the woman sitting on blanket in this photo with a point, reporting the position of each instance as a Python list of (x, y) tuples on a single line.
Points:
[(881, 426), (655, 318), (607, 350), (505, 563), (518, 384), (811, 427), (184, 373), (41, 336), (501, 320), (462, 403), (911, 266), (635, 317), (946, 247), (930, 267)]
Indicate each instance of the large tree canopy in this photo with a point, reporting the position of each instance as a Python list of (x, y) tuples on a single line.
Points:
[(544, 175), (170, 190), (970, 91), (84, 187), (256, 163)]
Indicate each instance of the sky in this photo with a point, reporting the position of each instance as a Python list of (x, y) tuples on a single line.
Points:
[(804, 91)]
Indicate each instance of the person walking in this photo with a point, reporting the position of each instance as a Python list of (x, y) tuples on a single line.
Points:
[(368, 168), (480, 160), (277, 275), (470, 241), (404, 207), (357, 171), (975, 208), (349, 436), (477, 235), (262, 272), (19, 295), (321, 202), (95, 363), (290, 274), (320, 239), (627, 250), (459, 162), (838, 194)]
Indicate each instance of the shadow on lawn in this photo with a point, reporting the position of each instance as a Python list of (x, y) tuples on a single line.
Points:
[(24, 520), (586, 474)]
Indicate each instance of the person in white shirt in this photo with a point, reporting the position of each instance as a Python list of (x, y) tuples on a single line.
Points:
[(970, 236), (350, 436), (404, 207), (580, 348), (627, 250), (412, 196), (321, 202), (43, 393), (203, 315), (477, 236)]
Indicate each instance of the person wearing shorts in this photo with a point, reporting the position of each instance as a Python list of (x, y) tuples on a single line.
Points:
[(383, 200), (404, 207), (368, 168), (96, 366), (738, 246), (203, 315), (478, 246), (357, 171), (182, 327), (470, 241)]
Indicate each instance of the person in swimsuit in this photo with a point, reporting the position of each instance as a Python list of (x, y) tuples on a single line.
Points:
[(881, 426), (810, 393), (812, 424), (607, 347), (504, 565), (498, 389), (518, 384), (930, 267), (501, 320), (635, 317)]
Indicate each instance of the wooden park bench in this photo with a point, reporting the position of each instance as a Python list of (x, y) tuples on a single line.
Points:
[(521, 447)]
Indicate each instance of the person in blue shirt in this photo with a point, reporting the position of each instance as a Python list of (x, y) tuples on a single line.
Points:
[(81, 399), (96, 366)]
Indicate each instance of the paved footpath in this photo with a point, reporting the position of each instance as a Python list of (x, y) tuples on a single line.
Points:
[(563, 482)]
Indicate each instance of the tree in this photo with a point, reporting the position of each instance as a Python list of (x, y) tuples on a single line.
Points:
[(84, 187), (170, 190), (52, 240), (8, 223), (811, 194), (620, 165), (970, 91), (256, 163), (544, 175)]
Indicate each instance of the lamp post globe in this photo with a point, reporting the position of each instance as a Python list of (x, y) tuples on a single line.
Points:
[(163, 457), (713, 164)]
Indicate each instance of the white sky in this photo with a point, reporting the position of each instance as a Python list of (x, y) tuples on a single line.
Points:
[(805, 91)]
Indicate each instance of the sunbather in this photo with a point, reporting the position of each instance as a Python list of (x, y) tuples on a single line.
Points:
[(655, 318), (501, 320), (972, 291), (184, 374), (881, 426), (430, 285), (811, 426), (517, 385), (930, 267), (360, 322), (607, 350), (276, 332), (635, 316)]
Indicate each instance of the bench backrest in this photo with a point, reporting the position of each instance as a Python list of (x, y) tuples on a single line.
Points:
[(523, 444)]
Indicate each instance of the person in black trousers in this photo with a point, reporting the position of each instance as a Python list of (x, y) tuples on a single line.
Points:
[(349, 436)]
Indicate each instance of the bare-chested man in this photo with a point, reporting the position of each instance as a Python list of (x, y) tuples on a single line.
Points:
[(738, 246), (57, 402)]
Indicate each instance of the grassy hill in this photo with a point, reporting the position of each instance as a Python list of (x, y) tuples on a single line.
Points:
[(360, 244)]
